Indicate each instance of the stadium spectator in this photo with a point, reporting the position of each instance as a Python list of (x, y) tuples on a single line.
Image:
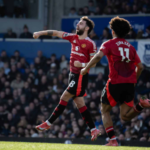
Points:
[(91, 6), (131, 34), (73, 12), (26, 33), (4, 57), (41, 57), (2, 8), (10, 34), (147, 34), (80, 12), (93, 35), (86, 11), (19, 9), (139, 34), (17, 56), (106, 35), (134, 9), (63, 62), (18, 82), (98, 11)]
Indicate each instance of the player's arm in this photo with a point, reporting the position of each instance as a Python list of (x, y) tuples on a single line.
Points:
[(48, 32), (82, 65), (139, 66), (139, 69), (92, 62)]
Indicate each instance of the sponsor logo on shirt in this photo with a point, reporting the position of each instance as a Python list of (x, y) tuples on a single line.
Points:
[(74, 41), (83, 45), (77, 48)]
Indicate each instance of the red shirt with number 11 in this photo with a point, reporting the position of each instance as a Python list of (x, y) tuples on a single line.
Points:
[(122, 58)]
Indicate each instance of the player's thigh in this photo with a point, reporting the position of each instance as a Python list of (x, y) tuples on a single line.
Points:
[(79, 101), (128, 94), (124, 109), (66, 96), (72, 83), (105, 108)]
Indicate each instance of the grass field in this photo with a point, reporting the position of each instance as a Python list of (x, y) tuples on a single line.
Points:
[(47, 146)]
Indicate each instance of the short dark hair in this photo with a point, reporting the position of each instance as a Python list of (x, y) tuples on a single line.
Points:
[(120, 26), (89, 23)]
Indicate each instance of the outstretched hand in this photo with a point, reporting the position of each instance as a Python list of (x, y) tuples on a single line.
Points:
[(36, 35), (84, 71)]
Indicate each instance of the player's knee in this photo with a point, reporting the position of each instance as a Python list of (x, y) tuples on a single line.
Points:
[(105, 109), (65, 96), (79, 104), (124, 118)]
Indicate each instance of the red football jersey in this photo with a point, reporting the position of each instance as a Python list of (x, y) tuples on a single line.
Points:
[(82, 50), (122, 58)]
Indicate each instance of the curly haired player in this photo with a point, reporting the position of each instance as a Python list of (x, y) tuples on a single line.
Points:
[(125, 68)]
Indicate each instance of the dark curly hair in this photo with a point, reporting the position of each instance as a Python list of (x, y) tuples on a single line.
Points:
[(120, 26)]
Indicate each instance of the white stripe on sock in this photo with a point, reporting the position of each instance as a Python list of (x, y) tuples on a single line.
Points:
[(48, 123), (93, 129), (109, 129)]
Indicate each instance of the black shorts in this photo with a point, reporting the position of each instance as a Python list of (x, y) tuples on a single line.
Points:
[(77, 84), (118, 93)]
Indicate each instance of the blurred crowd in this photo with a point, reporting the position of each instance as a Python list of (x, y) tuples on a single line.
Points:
[(13, 8), (112, 7), (30, 92), (106, 34)]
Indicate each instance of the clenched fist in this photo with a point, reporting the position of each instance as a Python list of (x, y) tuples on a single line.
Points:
[(36, 35), (84, 71), (77, 64)]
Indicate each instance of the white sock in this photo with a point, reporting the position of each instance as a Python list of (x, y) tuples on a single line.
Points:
[(93, 129), (48, 122), (113, 138)]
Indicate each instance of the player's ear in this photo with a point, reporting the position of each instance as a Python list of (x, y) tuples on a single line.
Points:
[(113, 32), (87, 28)]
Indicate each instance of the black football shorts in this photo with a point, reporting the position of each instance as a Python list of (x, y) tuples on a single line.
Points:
[(114, 94), (77, 84)]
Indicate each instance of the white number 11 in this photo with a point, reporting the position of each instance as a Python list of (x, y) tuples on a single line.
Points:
[(122, 53)]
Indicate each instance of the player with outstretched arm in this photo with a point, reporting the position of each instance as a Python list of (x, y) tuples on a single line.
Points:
[(83, 49)]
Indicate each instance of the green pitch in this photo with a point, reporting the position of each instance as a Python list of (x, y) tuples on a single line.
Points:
[(47, 146)]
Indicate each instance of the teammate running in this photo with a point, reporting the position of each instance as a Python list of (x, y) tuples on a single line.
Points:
[(125, 68), (83, 49)]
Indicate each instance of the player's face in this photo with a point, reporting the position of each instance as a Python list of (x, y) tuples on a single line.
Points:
[(81, 26)]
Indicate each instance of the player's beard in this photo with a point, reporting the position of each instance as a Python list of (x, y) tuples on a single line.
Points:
[(80, 32)]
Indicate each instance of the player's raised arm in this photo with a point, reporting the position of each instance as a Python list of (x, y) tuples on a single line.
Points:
[(48, 32), (92, 62)]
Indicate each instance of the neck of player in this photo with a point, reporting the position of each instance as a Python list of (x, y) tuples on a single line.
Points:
[(83, 36)]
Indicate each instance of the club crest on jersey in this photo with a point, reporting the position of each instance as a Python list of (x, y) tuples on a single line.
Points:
[(77, 48), (146, 56), (83, 45)]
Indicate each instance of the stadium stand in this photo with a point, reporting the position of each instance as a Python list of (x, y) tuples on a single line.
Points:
[(30, 92)]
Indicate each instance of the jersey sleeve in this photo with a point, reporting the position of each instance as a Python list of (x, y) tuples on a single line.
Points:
[(105, 48), (93, 49), (68, 36), (137, 59)]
